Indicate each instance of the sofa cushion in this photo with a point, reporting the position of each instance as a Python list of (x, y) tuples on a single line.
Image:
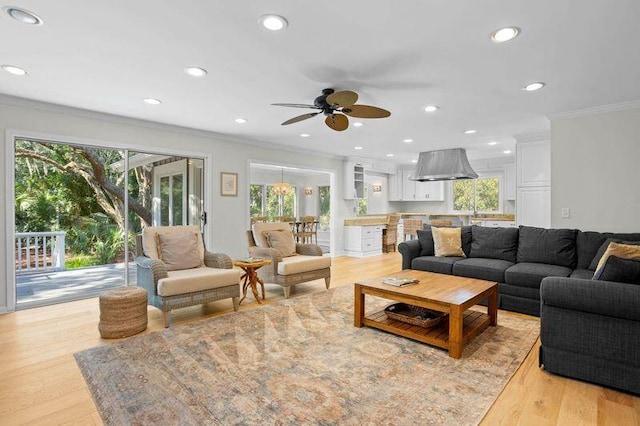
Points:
[(149, 243), (549, 246), (619, 270), (483, 269), (519, 291), (198, 279), (281, 240), (426, 242), (603, 248), (589, 242), (582, 273), (297, 264), (441, 265), (447, 242), (494, 243), (528, 274), (179, 251)]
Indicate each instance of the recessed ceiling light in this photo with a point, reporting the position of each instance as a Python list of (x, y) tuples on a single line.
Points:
[(273, 22), (532, 87), (389, 155), (357, 147), (431, 108), (195, 71), (505, 34), (304, 135), (408, 140), (153, 101), (22, 15), (492, 143), (240, 120), (470, 131), (357, 124), (507, 151), (14, 70), (414, 161)]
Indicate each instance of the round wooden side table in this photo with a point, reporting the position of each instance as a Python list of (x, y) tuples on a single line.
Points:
[(250, 277)]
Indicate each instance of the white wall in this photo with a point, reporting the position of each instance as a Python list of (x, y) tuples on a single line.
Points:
[(377, 202), (595, 171), (228, 218)]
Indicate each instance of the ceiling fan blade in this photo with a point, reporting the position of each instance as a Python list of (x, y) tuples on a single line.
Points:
[(337, 122), (366, 111), (344, 98), (300, 118), (297, 106)]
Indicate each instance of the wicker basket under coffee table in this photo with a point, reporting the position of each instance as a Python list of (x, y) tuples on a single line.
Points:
[(123, 312)]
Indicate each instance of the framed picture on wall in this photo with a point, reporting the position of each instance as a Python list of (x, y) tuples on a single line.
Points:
[(228, 184)]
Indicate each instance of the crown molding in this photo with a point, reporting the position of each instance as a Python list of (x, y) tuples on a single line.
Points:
[(136, 122), (621, 106), (532, 137)]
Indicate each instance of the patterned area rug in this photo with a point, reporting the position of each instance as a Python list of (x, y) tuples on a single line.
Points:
[(300, 361)]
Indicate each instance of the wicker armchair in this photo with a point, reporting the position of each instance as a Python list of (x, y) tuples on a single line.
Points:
[(169, 289), (307, 265)]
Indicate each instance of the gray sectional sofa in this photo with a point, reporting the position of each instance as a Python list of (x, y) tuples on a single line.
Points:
[(589, 330), (518, 259)]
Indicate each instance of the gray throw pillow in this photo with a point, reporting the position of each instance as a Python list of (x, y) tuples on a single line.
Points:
[(619, 270), (494, 243), (550, 246), (426, 242), (594, 263)]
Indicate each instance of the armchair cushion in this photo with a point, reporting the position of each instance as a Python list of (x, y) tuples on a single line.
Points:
[(260, 227), (179, 251), (197, 279), (149, 244), (281, 239), (297, 264)]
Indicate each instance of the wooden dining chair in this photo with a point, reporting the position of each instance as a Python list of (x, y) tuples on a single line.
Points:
[(440, 222), (307, 230), (390, 233)]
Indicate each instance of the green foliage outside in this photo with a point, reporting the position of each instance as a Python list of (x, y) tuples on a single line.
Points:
[(255, 200), (324, 201), (62, 187), (478, 195)]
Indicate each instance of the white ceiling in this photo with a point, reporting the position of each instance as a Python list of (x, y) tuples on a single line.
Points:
[(399, 55)]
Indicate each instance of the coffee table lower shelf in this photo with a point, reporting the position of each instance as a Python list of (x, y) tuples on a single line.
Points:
[(474, 322)]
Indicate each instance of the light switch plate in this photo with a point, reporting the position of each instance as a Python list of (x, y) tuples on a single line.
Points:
[(565, 213)]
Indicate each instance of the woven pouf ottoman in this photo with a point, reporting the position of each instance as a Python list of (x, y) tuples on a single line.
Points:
[(123, 312)]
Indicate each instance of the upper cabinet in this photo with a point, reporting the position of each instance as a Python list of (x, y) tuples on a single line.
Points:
[(419, 191), (534, 165), (510, 181), (353, 180)]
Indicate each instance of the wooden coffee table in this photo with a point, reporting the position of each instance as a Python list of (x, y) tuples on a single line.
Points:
[(444, 293)]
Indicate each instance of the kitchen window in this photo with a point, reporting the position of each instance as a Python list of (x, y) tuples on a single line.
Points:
[(480, 195)]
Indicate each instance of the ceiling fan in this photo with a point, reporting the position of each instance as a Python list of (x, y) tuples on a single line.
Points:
[(331, 104)]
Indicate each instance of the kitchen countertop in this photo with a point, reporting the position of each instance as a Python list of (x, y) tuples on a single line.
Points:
[(372, 220)]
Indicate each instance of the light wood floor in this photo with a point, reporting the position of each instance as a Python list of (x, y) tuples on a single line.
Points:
[(41, 384)]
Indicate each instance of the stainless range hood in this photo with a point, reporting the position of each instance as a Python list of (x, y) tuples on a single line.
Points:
[(444, 164)]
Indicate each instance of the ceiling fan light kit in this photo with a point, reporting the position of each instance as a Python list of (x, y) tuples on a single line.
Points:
[(336, 106)]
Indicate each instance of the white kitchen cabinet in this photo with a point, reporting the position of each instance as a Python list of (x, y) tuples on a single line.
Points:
[(533, 207), (363, 241), (534, 163), (510, 181), (420, 191), (353, 180)]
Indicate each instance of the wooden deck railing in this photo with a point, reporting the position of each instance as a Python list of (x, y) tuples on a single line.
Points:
[(39, 251)]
